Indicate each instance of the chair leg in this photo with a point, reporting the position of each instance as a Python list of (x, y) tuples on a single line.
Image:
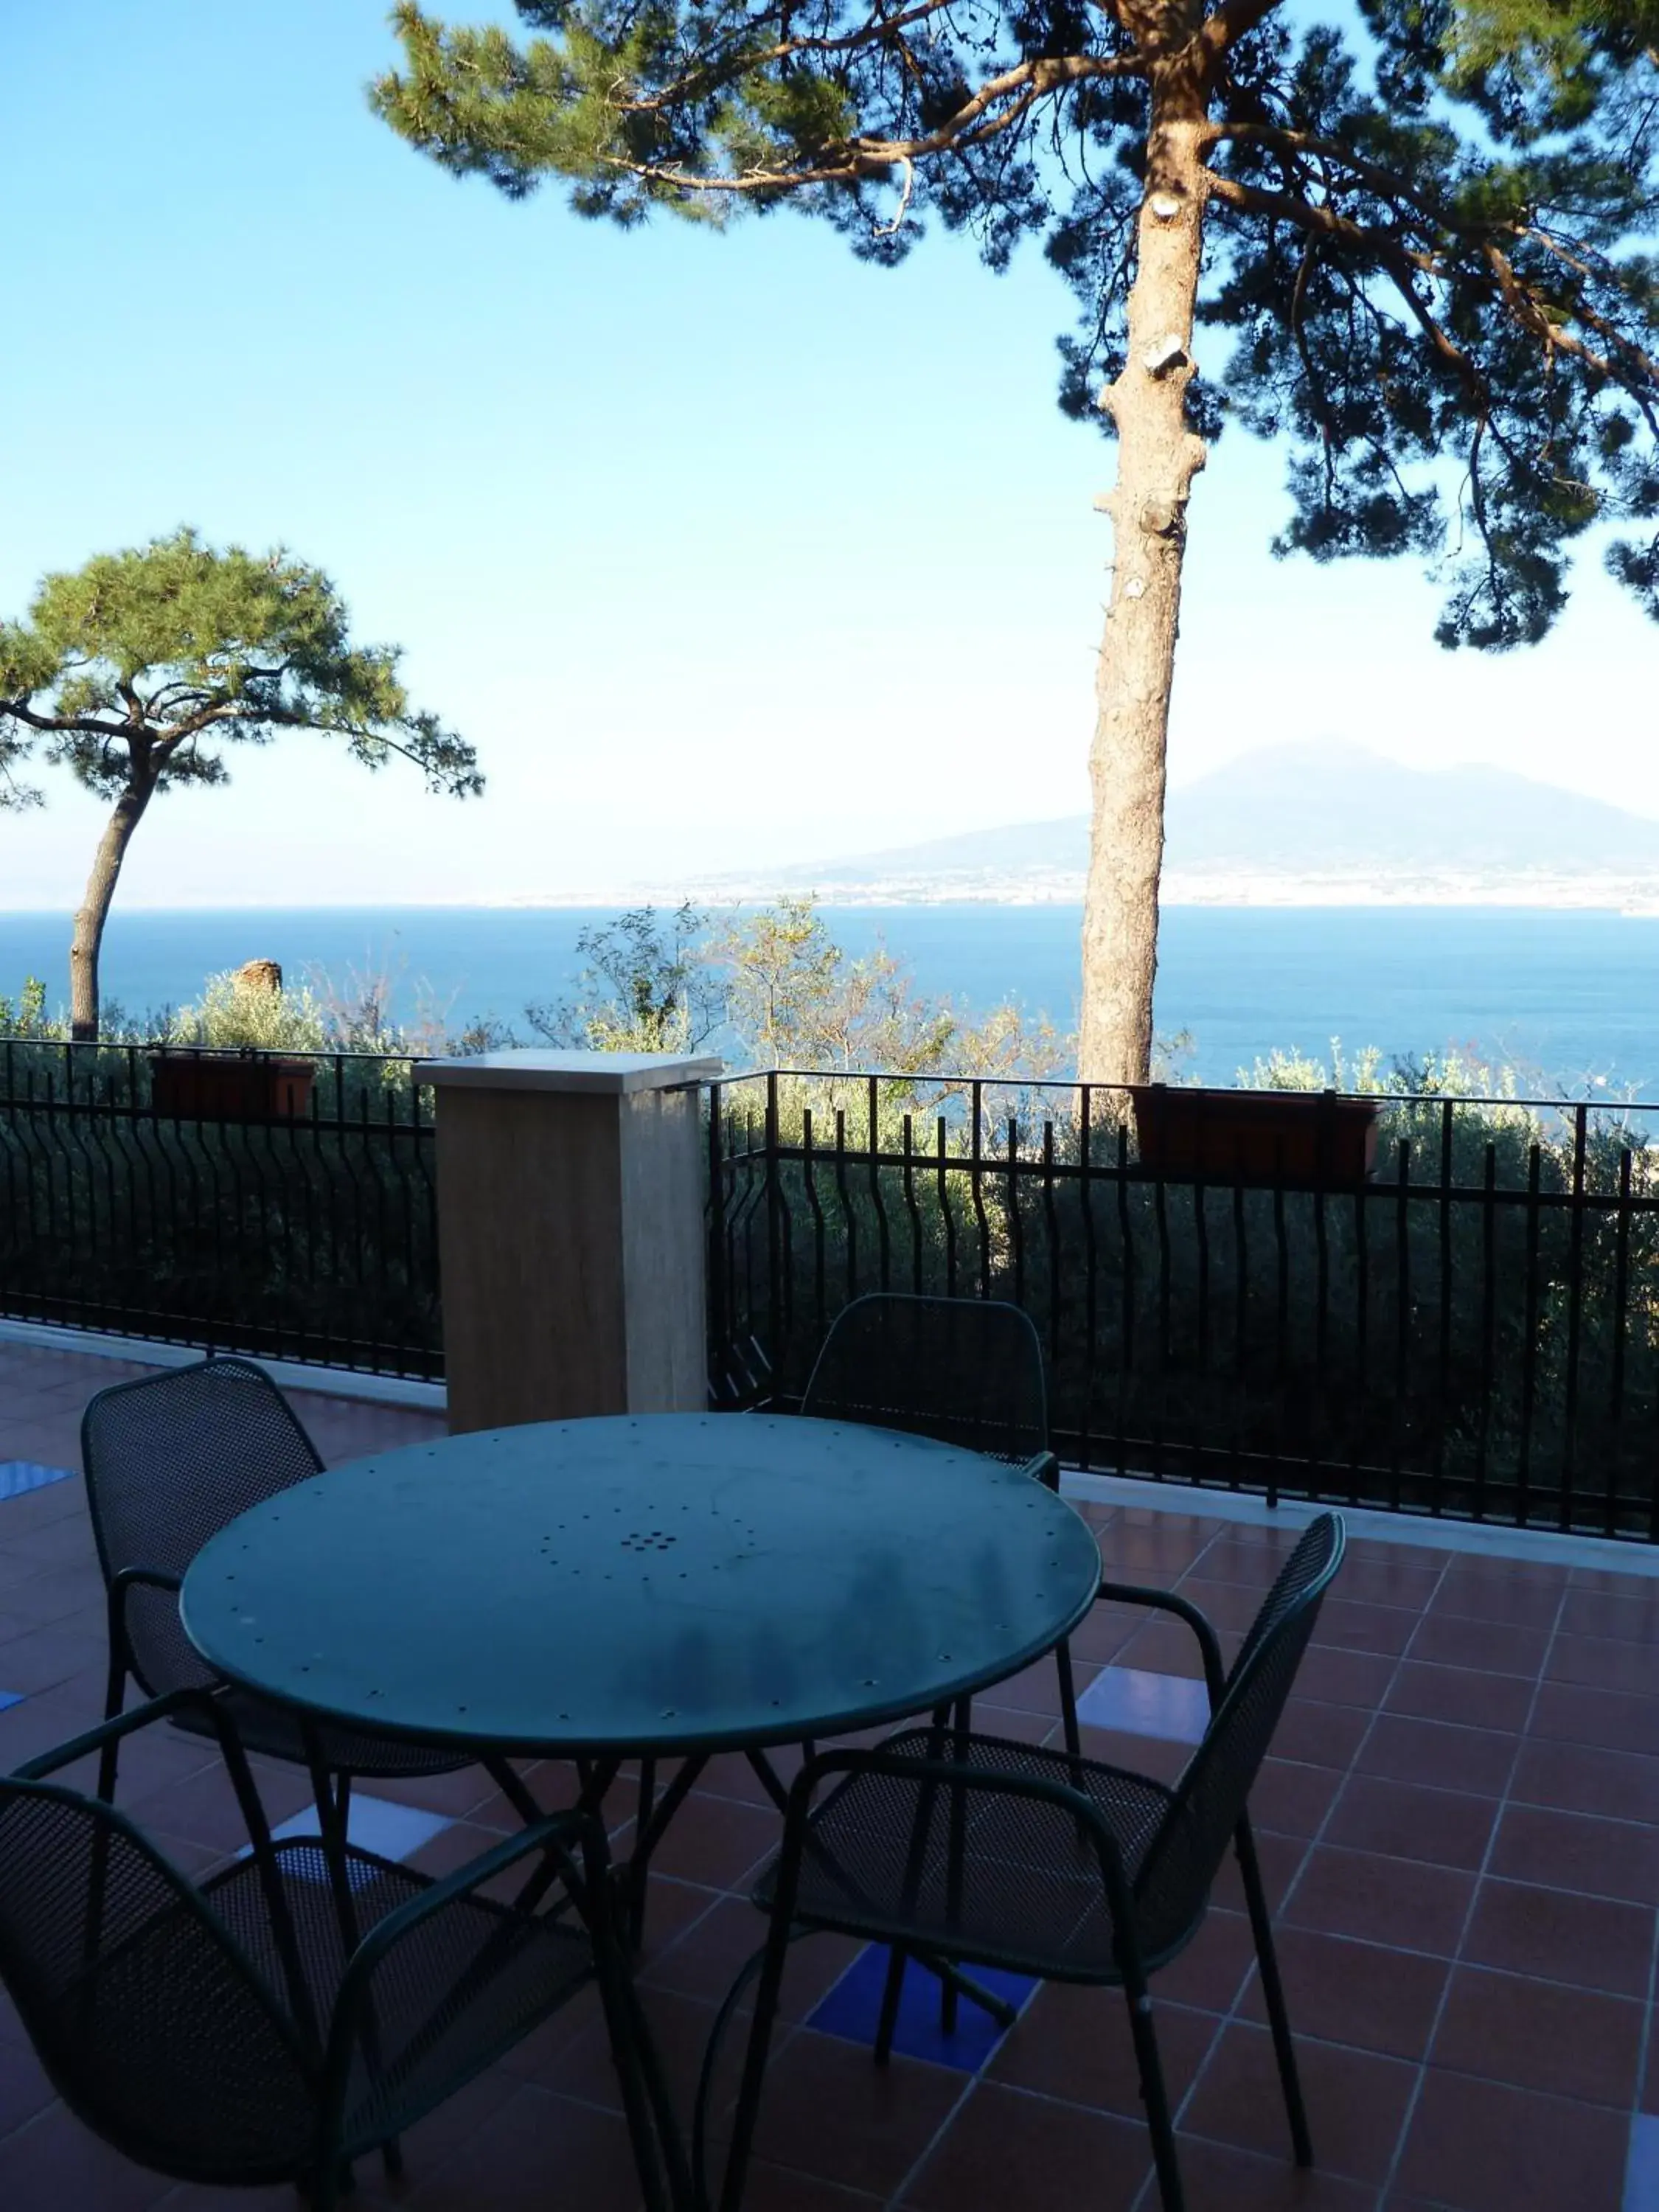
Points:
[(1272, 1990), (892, 1990), (949, 1990), (115, 1696), (754, 2064), (1067, 1700), (1154, 2095)]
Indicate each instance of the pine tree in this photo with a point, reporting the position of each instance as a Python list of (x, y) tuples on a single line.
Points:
[(135, 672), (1416, 248)]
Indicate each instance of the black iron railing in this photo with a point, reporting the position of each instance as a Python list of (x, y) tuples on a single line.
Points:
[(1472, 1329), (278, 1205)]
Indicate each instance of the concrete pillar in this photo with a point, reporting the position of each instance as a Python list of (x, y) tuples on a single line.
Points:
[(570, 1234)]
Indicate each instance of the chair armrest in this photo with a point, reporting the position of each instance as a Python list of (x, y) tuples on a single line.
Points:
[(120, 1586), (554, 1834), (124, 1724), (1044, 1468), (1209, 1644), (948, 1774)]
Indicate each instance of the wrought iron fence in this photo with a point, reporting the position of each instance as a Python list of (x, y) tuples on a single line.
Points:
[(279, 1204), (1471, 1329)]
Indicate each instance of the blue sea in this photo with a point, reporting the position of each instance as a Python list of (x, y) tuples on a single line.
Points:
[(1571, 997)]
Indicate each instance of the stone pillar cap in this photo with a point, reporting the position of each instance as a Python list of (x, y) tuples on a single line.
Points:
[(609, 1073)]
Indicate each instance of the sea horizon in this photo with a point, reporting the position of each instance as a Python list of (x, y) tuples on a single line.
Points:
[(1564, 996)]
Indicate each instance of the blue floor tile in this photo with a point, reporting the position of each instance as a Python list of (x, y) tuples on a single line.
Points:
[(374, 1824), (1137, 1703), (17, 1475), (1642, 2174), (852, 2008)]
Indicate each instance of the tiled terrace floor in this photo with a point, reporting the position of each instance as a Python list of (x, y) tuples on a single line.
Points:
[(1458, 1830)]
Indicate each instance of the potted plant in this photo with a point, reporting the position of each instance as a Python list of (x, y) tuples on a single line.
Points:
[(229, 1086), (1315, 1140)]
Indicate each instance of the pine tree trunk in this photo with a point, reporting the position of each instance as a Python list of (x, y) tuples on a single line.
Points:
[(1158, 459), (93, 911)]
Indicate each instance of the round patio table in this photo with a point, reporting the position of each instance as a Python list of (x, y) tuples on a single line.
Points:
[(675, 1584)]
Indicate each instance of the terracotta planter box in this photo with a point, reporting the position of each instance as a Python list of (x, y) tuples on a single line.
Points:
[(225, 1087), (1313, 1139)]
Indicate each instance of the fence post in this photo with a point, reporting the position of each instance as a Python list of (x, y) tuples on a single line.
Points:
[(570, 1234)]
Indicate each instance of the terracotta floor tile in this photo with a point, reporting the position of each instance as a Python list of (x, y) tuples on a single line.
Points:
[(1484, 2146), (1459, 1694), (1349, 1624), (1356, 2102), (704, 1957), (829, 2109), (717, 1841), (1075, 2044), (1581, 1778), (1438, 1755), (1404, 1903), (1217, 2177), (1228, 1606), (1319, 1735), (1390, 1574), (778, 2189), (1291, 1799), (1597, 1613), (1233, 1558), (1281, 1859), (1539, 2035), (44, 1658), (1210, 1972), (1339, 1677), (1469, 1591), (1009, 2152), (538, 2149), (1407, 1821), (53, 2163), (1613, 1719), (24, 2089), (1493, 1647), (1577, 1851), (1594, 1943), (1363, 1994), (1605, 1662), (1163, 1646), (1105, 1629)]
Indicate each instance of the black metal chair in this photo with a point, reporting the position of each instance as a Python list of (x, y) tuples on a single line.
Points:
[(968, 1371), (967, 1849), (170, 1459), (292, 2011)]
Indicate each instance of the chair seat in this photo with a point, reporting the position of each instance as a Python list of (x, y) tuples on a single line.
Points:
[(1028, 1894), (458, 1990), (275, 1731)]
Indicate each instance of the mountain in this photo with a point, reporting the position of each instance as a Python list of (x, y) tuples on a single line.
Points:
[(1311, 821)]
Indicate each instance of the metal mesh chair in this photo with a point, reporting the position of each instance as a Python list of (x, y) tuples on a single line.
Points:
[(291, 2012), (968, 1371), (170, 1459), (955, 1847)]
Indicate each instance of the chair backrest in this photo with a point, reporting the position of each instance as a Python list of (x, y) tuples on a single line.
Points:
[(155, 2029), (1176, 1875), (169, 1460), (966, 1370)]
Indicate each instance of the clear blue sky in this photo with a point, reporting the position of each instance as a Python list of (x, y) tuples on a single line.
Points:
[(724, 550)]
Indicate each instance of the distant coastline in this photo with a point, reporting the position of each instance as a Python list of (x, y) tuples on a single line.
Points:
[(1560, 891)]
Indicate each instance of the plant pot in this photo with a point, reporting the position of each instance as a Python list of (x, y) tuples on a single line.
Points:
[(1313, 1140), (225, 1086)]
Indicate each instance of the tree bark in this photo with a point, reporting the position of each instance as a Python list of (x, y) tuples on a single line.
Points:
[(1158, 459), (93, 912)]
